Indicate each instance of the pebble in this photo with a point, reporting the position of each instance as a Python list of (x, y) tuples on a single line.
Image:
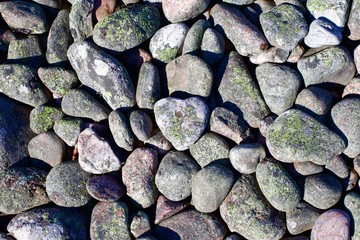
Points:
[(351, 181), (21, 189), (322, 33), (6, 36), (239, 2), (296, 54), (130, 26), (141, 125), (68, 129), (265, 124), (106, 8), (338, 166), (246, 211), (356, 163), (175, 11), (331, 224), (297, 137), (253, 11), (352, 205), (121, 130), (246, 156), (173, 177), (212, 46), (181, 77), (138, 175), (140, 224), (307, 168), (159, 143), (194, 37), (166, 208), (42, 118), (80, 19), (181, 121), (354, 18), (353, 87), (66, 185), (272, 55), (109, 220), (234, 237), (104, 188)]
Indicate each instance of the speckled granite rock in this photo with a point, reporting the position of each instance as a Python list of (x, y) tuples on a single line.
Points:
[(80, 19), (68, 129), (121, 130), (352, 205), (175, 11)]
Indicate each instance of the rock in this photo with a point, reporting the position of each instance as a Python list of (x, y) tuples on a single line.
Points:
[(279, 85), (140, 224), (181, 77), (166, 208), (194, 37), (148, 86), (314, 101), (166, 43), (210, 148), (66, 185), (322, 33), (345, 120), (240, 91), (265, 124), (354, 18), (78, 103), (336, 11), (25, 17), (42, 118), (6, 36), (106, 8), (59, 39), (141, 125), (104, 188), (212, 46), (181, 121), (138, 175), (350, 182), (48, 148), (272, 55), (246, 211), (352, 205), (331, 223), (330, 65), (338, 166), (130, 26), (234, 236), (21, 189), (159, 143), (109, 220), (284, 26), (173, 177), (4, 236), (80, 19), (357, 57), (296, 238), (58, 80), (296, 54), (353, 87), (191, 224), (245, 157), (307, 168), (121, 130), (50, 7), (301, 218), (229, 124), (356, 163), (322, 190), (297, 137), (253, 11), (297, 3), (147, 237), (103, 73), (20, 83), (246, 37), (175, 11), (68, 129), (239, 2), (48, 223)]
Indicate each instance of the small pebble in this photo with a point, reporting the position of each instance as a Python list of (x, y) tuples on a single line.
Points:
[(194, 37), (353, 87), (322, 33), (42, 118), (140, 224), (80, 19), (175, 11), (338, 166), (141, 125), (212, 46), (354, 18), (307, 168), (352, 205), (68, 129), (104, 188), (272, 55), (159, 143), (121, 131), (245, 157)]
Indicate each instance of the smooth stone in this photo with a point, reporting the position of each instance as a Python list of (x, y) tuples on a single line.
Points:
[(352, 88), (353, 20), (66, 185), (106, 8), (296, 54), (239, 2), (127, 28), (42, 118), (338, 166), (246, 157), (322, 33), (6, 36), (253, 11), (166, 208), (357, 57), (265, 124), (307, 168), (301, 218), (352, 205), (138, 175), (80, 19), (141, 125), (356, 163), (103, 73), (231, 22), (140, 224), (212, 46), (297, 137), (181, 121), (104, 188), (173, 177), (351, 181), (271, 55), (247, 212), (21, 189), (68, 129), (234, 236), (194, 37), (175, 11), (121, 130), (159, 143)]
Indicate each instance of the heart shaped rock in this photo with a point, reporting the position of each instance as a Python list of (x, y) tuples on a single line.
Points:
[(181, 121)]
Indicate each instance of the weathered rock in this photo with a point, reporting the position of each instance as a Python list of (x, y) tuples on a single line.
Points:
[(357, 57), (68, 129), (296, 54), (104, 188), (141, 125), (272, 55), (352, 205), (159, 143), (301, 218), (106, 8), (245, 157), (239, 2), (212, 46), (338, 166), (140, 224), (353, 87), (6, 36), (193, 39), (307, 168), (121, 130), (354, 18), (356, 162), (80, 19), (265, 124), (322, 33), (42, 118), (351, 181), (175, 11), (254, 10), (166, 208)]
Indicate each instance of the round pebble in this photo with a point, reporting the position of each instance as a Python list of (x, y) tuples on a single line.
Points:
[(245, 157), (104, 188)]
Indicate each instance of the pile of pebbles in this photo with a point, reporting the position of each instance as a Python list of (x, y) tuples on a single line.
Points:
[(193, 119)]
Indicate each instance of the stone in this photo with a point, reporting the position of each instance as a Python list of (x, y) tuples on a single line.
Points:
[(80, 19), (6, 36), (234, 236), (25, 17), (240, 92), (246, 37), (175, 11), (166, 43), (138, 175), (212, 46), (181, 78), (181, 121), (296, 54), (50, 7), (194, 37), (331, 223), (345, 120), (351, 181), (352, 205), (159, 143), (141, 124), (140, 224), (229, 124), (127, 28), (297, 137), (42, 118), (245, 157), (279, 85), (68, 129), (322, 190), (284, 26), (332, 65), (104, 188), (307, 168), (239, 2), (106, 8), (20, 83), (109, 220), (21, 189), (356, 163), (246, 212), (354, 18), (78, 103), (4, 236), (301, 218), (357, 57), (173, 177), (322, 33), (121, 130), (265, 124), (338, 166), (253, 11), (210, 148), (352, 88), (166, 208), (103, 73), (48, 148), (272, 55), (66, 185)]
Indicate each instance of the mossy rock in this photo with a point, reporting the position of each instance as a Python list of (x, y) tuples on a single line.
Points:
[(68, 129), (42, 118)]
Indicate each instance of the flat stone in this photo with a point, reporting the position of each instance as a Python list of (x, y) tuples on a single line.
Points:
[(121, 130), (354, 18), (193, 39), (104, 188), (175, 11), (307, 168), (141, 124), (42, 118), (166, 208), (322, 33), (80, 19), (68, 129), (352, 205), (338, 166), (245, 157), (301, 218)]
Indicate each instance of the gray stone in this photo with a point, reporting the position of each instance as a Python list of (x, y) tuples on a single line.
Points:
[(296, 54), (175, 11), (351, 181), (338, 166), (193, 39), (297, 137), (234, 236), (354, 18), (141, 125), (104, 188), (140, 224), (245, 157), (166, 208), (42, 118), (322, 33), (356, 162), (253, 11), (239, 2), (68, 129), (301, 218), (80, 19), (352, 88), (121, 130), (212, 46), (357, 57), (6, 36), (173, 177), (307, 168), (352, 205), (159, 143), (265, 124), (272, 55)]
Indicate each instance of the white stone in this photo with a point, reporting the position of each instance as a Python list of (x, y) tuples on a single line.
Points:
[(322, 33)]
